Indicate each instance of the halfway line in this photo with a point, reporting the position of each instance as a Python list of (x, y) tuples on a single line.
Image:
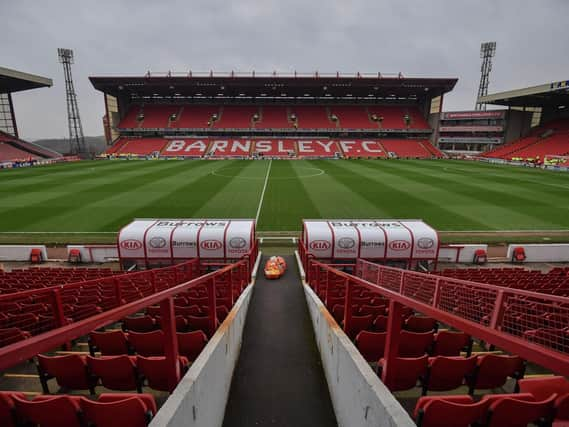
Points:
[(263, 192)]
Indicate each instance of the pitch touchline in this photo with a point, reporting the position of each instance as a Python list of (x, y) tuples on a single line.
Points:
[(263, 192)]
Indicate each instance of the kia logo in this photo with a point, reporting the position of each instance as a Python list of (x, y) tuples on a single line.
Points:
[(346, 243), (320, 245), (211, 245), (399, 245), (131, 244), (425, 243), (237, 243), (157, 242)]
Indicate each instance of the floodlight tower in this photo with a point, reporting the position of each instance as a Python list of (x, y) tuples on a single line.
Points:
[(77, 140), (487, 52)]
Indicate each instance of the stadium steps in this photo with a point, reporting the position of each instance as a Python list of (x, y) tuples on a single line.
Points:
[(279, 379)]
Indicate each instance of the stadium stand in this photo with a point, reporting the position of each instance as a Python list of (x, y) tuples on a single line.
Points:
[(158, 116), (274, 117), (11, 153), (236, 117), (130, 120), (311, 117), (410, 148), (195, 117), (361, 148), (352, 117), (12, 148), (138, 146)]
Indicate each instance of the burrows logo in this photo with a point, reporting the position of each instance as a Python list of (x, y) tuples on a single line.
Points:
[(399, 245), (237, 243), (157, 242), (346, 243), (131, 244), (425, 243), (320, 245), (211, 245)]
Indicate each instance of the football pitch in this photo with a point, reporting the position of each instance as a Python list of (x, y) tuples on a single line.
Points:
[(102, 196)]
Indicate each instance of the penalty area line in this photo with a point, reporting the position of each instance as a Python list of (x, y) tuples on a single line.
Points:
[(263, 192)]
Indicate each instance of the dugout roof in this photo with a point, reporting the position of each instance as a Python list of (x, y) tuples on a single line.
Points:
[(282, 86), (16, 81), (552, 94)]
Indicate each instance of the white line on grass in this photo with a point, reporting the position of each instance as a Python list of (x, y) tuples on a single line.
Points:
[(263, 192)]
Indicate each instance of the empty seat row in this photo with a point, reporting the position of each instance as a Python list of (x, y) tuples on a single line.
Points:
[(443, 373), (113, 343), (108, 410), (77, 372)]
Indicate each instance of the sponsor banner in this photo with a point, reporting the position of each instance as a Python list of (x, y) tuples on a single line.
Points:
[(346, 240), (471, 129), (468, 140), (374, 239), (465, 115), (131, 239), (186, 238), (559, 85)]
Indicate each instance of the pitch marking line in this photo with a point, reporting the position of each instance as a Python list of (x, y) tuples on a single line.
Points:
[(263, 192)]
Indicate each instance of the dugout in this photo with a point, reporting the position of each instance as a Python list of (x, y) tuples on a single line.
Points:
[(403, 243), (157, 242)]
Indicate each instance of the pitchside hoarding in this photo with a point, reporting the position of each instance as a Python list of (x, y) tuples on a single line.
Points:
[(177, 239), (370, 239)]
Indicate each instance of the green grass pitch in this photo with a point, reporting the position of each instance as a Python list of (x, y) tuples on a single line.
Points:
[(102, 196)]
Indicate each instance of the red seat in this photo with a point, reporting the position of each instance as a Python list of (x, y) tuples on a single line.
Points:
[(415, 344), (49, 411), (116, 372), (190, 344), (201, 324), (139, 324), (407, 371), (543, 388), (12, 335), (147, 343), (493, 370), (448, 343), (358, 324), (108, 343), (7, 407), (190, 310), (420, 324), (375, 310), (181, 323), (448, 411), (155, 369), (518, 410), (447, 373), (119, 410), (70, 371), (371, 345)]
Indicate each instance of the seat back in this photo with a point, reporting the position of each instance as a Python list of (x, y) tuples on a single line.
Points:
[(371, 345), (493, 370), (52, 411), (448, 373), (139, 324), (449, 411), (542, 388), (147, 343), (513, 412), (129, 412), (190, 344), (109, 343), (408, 370), (70, 371), (415, 344), (449, 343), (155, 370), (420, 324), (115, 372), (8, 409), (358, 324)]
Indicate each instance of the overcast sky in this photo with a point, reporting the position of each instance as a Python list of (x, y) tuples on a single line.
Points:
[(435, 38)]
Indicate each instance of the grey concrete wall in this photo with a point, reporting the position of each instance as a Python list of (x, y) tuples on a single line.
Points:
[(359, 397), (201, 395)]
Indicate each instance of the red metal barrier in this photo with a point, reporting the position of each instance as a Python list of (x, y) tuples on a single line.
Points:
[(529, 324), (233, 275)]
